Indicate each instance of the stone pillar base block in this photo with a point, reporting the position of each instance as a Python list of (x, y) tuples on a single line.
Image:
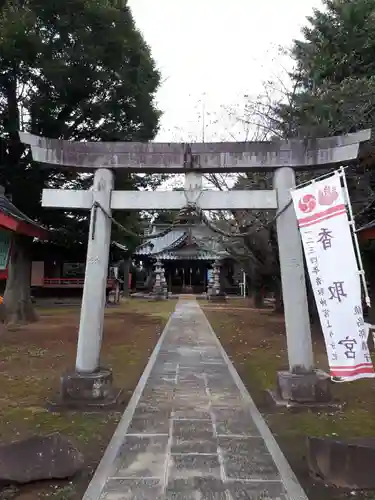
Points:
[(87, 390), (219, 297), (158, 296), (304, 388)]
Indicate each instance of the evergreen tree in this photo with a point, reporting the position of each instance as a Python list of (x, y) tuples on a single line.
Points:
[(334, 91), (79, 70), (334, 77), (334, 83)]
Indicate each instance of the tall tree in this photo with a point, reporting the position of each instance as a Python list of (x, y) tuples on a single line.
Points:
[(334, 75), (334, 88), (331, 90), (77, 69), (256, 250), (334, 84)]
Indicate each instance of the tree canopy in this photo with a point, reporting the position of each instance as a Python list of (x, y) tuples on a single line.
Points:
[(78, 70), (75, 70), (334, 77), (333, 89)]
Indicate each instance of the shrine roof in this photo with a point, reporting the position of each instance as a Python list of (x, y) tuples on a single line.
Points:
[(13, 219), (154, 246), (197, 255), (183, 242)]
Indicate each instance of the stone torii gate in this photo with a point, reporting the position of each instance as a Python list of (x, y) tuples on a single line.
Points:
[(90, 383)]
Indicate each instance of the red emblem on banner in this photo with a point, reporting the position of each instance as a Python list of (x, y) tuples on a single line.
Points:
[(307, 203), (327, 196)]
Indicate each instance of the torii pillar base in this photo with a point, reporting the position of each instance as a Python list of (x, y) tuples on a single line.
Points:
[(217, 297), (87, 391), (302, 390), (158, 296)]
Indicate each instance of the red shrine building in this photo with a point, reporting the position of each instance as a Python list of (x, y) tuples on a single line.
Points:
[(13, 221), (54, 268)]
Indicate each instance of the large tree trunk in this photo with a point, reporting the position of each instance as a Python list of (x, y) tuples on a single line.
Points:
[(258, 295), (279, 304), (150, 279), (126, 268), (18, 307), (258, 298)]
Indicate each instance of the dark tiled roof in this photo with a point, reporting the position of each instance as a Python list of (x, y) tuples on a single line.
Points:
[(154, 246), (172, 243)]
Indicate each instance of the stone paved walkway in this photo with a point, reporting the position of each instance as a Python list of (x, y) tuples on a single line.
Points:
[(191, 430)]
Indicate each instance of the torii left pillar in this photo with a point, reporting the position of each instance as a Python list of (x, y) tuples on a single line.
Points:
[(91, 384)]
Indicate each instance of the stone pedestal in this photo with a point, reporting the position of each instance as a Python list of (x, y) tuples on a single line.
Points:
[(304, 387), (217, 297), (87, 390), (114, 295), (308, 389)]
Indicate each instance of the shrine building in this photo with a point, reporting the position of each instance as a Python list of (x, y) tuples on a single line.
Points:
[(188, 253), (14, 222)]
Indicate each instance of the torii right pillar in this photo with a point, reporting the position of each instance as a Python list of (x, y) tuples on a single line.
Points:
[(302, 383)]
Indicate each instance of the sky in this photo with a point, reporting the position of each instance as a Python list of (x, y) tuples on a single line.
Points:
[(212, 53)]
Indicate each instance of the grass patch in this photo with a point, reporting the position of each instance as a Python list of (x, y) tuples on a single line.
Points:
[(33, 357), (256, 343), (161, 309)]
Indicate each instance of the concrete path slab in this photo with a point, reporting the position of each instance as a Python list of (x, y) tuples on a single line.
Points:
[(191, 431)]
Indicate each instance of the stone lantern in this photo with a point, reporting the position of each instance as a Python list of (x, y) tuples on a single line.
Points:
[(215, 292), (158, 291)]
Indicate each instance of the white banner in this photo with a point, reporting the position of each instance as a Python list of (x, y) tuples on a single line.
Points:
[(334, 276)]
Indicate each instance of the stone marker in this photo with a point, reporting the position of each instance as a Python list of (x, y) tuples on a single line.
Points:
[(39, 458), (343, 463)]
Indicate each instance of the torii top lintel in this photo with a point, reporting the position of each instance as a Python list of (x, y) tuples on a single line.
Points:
[(204, 157)]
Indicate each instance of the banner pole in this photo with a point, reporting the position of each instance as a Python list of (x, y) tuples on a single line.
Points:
[(354, 234), (331, 173)]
